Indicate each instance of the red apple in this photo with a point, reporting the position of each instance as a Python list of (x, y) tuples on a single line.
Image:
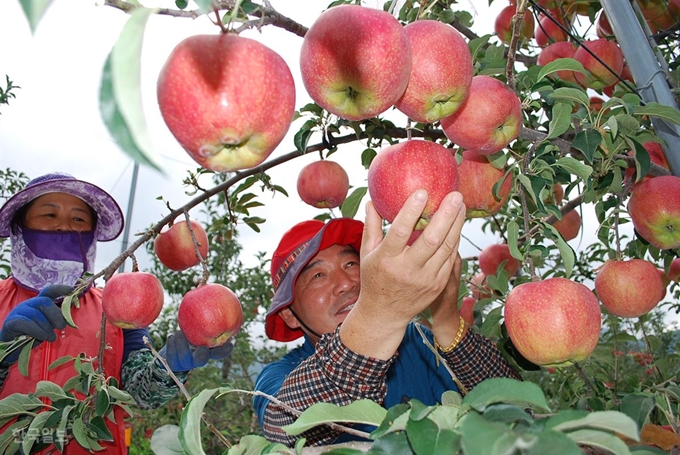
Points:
[(175, 246), (479, 288), (547, 31), (603, 28), (467, 310), (323, 184), (674, 271), (557, 194), (553, 322), (503, 25), (626, 75), (355, 61), (209, 315), (656, 156), (228, 100), (654, 208), (488, 120), (492, 256), (559, 49), (665, 281), (400, 169), (441, 73), (607, 51), (477, 177), (569, 226), (660, 14), (629, 288), (132, 299)]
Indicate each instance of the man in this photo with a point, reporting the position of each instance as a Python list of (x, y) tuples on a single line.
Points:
[(360, 342)]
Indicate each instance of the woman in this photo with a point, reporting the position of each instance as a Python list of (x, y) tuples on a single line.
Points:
[(54, 225)]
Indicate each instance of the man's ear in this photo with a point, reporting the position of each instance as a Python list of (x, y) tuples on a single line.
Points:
[(290, 320)]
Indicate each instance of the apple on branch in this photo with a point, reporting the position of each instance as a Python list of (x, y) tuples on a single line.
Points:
[(547, 29), (553, 322), (569, 226), (654, 208), (629, 288), (175, 246), (477, 178), (600, 76), (209, 315), (489, 118), (355, 61), (504, 28), (441, 71), (400, 169), (323, 184), (228, 100), (132, 299), (674, 270), (491, 257), (559, 49)]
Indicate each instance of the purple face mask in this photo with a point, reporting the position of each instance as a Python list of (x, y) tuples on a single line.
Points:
[(41, 258)]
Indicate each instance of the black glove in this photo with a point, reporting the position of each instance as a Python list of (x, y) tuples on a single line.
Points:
[(37, 317), (182, 356)]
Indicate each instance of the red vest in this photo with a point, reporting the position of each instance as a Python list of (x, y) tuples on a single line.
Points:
[(70, 341)]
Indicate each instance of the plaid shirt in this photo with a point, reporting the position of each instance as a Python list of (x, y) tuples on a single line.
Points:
[(335, 374)]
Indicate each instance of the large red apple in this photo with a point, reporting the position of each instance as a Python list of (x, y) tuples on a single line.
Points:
[(607, 51), (503, 24), (355, 61), (630, 288), (489, 118), (400, 169), (559, 49), (132, 299), (674, 271), (569, 226), (548, 31), (228, 100), (323, 184), (492, 256), (477, 178), (209, 315), (441, 72), (175, 246), (553, 322), (654, 207)]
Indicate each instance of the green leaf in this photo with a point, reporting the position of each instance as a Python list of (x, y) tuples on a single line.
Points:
[(560, 121), (360, 411), (190, 422), (659, 110), (506, 390), (34, 428), (554, 442), (18, 404), (52, 391), (566, 251), (513, 238), (79, 433), (574, 166), (102, 403), (204, 6), (301, 139), (479, 436), (8, 444), (24, 357), (350, 206), (165, 441), (506, 413), (614, 421), (63, 424), (66, 306), (587, 141), (561, 64), (600, 439), (526, 183), (637, 406), (570, 94), (34, 11), (428, 438)]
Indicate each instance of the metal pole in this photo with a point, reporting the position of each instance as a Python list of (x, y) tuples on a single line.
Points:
[(649, 75), (128, 215)]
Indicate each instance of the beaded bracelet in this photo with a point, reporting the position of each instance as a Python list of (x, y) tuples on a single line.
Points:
[(456, 341)]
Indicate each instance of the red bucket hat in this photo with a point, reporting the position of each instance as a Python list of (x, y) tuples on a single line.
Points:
[(296, 248)]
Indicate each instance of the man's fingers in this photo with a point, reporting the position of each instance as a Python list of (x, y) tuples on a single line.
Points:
[(372, 235), (405, 221), (440, 237)]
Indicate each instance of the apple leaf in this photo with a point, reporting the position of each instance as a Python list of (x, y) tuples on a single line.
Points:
[(190, 422), (120, 98), (638, 406), (35, 428), (506, 390), (570, 94), (560, 64), (34, 10), (165, 441), (587, 141), (24, 357), (613, 421), (350, 206), (360, 411), (659, 110), (574, 166), (561, 119), (602, 439), (428, 438), (482, 436), (566, 251), (513, 237), (204, 6)]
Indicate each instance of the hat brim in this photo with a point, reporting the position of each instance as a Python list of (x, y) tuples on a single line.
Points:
[(339, 231), (109, 215)]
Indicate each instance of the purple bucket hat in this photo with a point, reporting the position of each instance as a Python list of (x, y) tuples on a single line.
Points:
[(109, 215)]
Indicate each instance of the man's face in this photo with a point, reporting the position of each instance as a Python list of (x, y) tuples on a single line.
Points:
[(325, 290)]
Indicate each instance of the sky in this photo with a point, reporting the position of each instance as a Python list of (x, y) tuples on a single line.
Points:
[(54, 122)]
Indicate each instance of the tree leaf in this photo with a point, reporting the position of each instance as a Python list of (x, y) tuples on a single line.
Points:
[(600, 439), (614, 421), (34, 11), (79, 433), (587, 141), (574, 166), (360, 411), (506, 390), (120, 101), (561, 64), (350, 205), (566, 251), (35, 427), (637, 406), (659, 110), (165, 441), (428, 438), (560, 121), (18, 404), (479, 436), (24, 357), (554, 442), (190, 422), (52, 391), (513, 238)]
